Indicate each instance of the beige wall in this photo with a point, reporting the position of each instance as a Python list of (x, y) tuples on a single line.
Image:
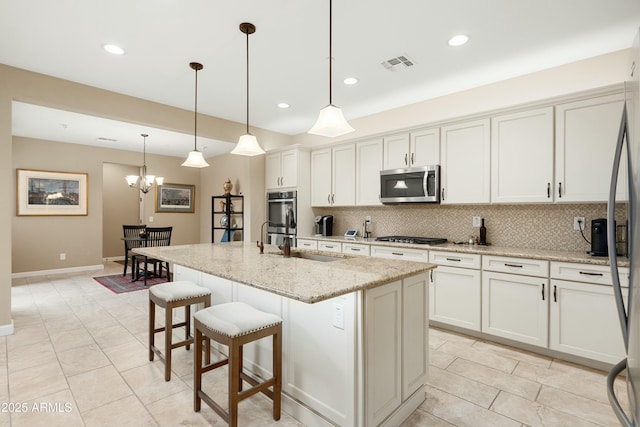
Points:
[(120, 205), (7, 178)]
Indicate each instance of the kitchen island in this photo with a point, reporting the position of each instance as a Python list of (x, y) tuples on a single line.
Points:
[(355, 329)]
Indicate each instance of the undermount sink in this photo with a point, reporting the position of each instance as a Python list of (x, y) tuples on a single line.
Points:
[(312, 257)]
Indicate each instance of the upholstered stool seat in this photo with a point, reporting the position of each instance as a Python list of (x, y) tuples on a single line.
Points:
[(235, 324), (169, 296)]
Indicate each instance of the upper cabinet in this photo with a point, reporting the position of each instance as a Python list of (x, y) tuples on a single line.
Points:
[(281, 169), (465, 170), (522, 157), (586, 135), (368, 167), (416, 149), (333, 176)]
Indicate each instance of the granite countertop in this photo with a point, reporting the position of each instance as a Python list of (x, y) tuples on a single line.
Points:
[(300, 279), (544, 254)]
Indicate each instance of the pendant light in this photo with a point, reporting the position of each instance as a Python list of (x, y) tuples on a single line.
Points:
[(146, 181), (195, 159), (247, 144), (330, 121)]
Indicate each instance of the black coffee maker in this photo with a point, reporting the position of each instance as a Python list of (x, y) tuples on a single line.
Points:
[(324, 225), (599, 237)]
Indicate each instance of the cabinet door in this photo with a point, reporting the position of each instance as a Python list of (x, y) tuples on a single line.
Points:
[(584, 321), (396, 151), (383, 341), (344, 176), (415, 348), (522, 157), (368, 167), (289, 168), (515, 307), (425, 148), (272, 167), (321, 177), (454, 297), (586, 134), (465, 173)]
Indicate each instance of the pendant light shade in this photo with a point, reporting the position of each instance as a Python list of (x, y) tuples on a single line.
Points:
[(247, 144), (195, 158), (330, 121)]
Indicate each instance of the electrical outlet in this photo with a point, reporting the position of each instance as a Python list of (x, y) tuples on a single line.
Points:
[(477, 221), (151, 219), (367, 219), (578, 223), (63, 256), (338, 316)]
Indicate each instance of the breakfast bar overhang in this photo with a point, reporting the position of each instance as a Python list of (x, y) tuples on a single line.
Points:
[(355, 343)]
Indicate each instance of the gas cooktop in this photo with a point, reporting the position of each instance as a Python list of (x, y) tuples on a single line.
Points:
[(412, 240)]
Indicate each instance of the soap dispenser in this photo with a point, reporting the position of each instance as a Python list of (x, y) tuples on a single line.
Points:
[(483, 234)]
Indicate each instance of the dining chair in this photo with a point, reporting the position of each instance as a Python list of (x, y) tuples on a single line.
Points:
[(132, 232), (156, 236)]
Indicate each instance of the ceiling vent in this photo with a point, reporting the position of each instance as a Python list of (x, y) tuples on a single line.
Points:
[(102, 138), (398, 63)]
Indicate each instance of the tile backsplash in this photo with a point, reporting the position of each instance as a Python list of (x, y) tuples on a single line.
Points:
[(548, 226)]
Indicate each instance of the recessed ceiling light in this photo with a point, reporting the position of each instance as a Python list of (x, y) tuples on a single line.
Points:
[(283, 105), (458, 40), (350, 81), (113, 49)]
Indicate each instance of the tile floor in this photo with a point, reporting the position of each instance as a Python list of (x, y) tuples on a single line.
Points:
[(79, 358)]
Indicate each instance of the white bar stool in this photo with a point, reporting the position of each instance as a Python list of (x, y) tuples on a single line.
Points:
[(171, 295), (235, 324)]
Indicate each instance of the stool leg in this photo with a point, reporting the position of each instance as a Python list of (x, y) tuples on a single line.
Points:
[(207, 350), (240, 359), (152, 326), (197, 369), (168, 329), (277, 373), (187, 319), (234, 379)]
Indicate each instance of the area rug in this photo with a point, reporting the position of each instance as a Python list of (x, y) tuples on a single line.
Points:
[(119, 284)]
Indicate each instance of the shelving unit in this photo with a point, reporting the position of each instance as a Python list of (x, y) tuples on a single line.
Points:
[(227, 218)]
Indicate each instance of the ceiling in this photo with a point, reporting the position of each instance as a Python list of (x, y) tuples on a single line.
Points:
[(288, 55)]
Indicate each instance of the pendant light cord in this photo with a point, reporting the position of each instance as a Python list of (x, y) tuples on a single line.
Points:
[(144, 150), (195, 117), (247, 83), (330, 50)]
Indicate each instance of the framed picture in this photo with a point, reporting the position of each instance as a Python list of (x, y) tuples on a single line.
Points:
[(51, 193), (175, 198)]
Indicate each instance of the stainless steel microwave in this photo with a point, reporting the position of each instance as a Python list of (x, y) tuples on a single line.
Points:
[(413, 185)]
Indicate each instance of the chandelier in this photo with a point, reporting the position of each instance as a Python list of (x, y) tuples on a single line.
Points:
[(146, 181)]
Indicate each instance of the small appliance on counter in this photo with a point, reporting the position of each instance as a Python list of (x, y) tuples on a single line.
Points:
[(324, 225), (599, 237)]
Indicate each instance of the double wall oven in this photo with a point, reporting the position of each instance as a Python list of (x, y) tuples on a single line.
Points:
[(277, 205)]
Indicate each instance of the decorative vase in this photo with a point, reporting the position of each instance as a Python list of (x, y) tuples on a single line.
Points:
[(227, 187)]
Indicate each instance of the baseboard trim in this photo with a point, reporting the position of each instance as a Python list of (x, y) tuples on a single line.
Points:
[(6, 329), (113, 258), (57, 271)]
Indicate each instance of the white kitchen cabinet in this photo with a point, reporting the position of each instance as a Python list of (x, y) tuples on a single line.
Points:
[(358, 249), (333, 176), (407, 254), (281, 169), (515, 307), (368, 167), (522, 157), (583, 317), (307, 244), (419, 148), (329, 246), (465, 173), (454, 292), (586, 134)]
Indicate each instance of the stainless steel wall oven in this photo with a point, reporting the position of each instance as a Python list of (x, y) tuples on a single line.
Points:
[(277, 204)]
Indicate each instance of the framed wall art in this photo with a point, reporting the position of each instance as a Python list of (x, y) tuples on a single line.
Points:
[(41, 193), (175, 198)]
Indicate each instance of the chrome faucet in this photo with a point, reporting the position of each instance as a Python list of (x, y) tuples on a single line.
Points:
[(260, 244), (290, 222)]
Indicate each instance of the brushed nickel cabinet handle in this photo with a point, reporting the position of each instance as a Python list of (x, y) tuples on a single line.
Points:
[(405, 159), (413, 160), (329, 198)]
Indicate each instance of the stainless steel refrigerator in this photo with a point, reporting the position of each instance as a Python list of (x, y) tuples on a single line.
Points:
[(629, 313)]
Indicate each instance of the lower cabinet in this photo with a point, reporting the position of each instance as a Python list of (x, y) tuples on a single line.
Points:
[(406, 254), (515, 307), (454, 297)]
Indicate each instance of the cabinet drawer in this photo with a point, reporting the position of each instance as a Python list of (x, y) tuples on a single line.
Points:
[(455, 259), (599, 274), (355, 249), (406, 254), (525, 266), (307, 244), (330, 246)]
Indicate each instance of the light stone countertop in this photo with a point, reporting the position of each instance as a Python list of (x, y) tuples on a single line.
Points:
[(543, 254), (300, 279)]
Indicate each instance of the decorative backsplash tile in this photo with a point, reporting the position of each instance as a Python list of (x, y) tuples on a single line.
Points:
[(526, 226)]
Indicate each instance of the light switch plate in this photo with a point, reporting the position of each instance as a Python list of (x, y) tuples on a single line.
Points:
[(477, 221), (338, 316)]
